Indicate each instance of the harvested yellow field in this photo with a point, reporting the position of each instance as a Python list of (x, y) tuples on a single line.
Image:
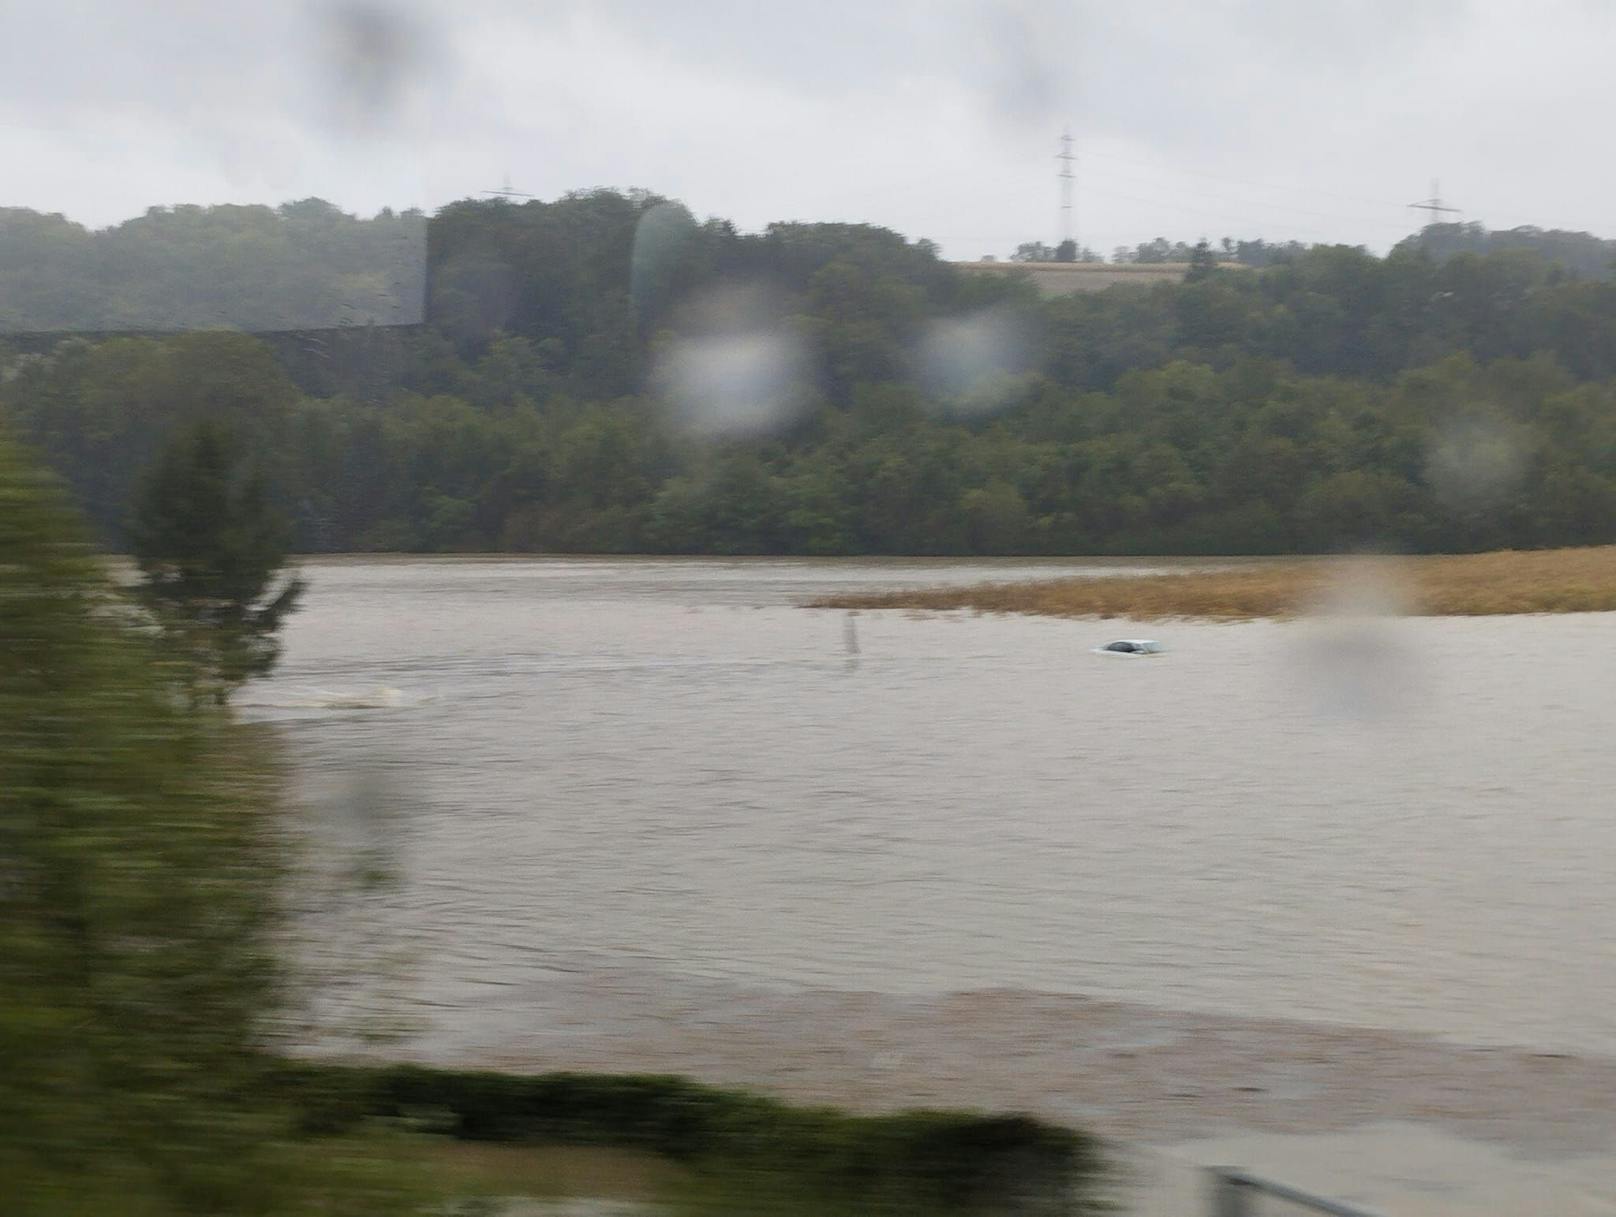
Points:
[(1507, 581)]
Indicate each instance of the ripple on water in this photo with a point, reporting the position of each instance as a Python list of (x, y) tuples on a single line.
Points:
[(588, 767)]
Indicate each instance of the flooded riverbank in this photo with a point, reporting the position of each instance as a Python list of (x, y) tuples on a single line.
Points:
[(1381, 858)]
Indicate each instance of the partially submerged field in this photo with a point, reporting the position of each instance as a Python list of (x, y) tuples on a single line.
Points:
[(1507, 581)]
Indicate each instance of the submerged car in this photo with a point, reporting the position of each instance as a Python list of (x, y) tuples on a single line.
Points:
[(1130, 646)]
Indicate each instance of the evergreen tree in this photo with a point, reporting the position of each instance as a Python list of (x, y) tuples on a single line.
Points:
[(211, 548), (1202, 262)]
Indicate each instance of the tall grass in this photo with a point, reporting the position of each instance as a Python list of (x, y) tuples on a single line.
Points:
[(1508, 581)]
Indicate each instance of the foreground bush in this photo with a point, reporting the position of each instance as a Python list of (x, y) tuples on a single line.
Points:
[(826, 1160)]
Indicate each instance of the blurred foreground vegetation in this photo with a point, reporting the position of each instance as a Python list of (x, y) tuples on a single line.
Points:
[(605, 373), (141, 991)]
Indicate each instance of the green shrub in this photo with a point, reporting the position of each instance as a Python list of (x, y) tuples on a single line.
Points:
[(921, 1161)]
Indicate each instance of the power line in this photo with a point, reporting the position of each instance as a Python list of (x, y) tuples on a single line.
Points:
[(1512, 221), (1175, 213), (1191, 209), (1273, 206), (1194, 206), (1499, 223), (1381, 223), (1237, 181)]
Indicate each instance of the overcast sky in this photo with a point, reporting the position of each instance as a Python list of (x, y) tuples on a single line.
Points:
[(1305, 119)]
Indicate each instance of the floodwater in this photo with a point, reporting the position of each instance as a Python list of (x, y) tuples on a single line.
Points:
[(626, 794), (671, 762)]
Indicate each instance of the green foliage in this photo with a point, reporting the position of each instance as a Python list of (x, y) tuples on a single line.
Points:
[(99, 412), (139, 908), (300, 266), (1323, 397), (1033, 251), (210, 547), (756, 1151), (1578, 253)]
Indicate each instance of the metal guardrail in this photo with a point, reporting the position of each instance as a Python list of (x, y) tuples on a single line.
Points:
[(1234, 1194)]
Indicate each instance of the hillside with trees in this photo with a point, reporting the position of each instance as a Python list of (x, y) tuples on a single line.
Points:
[(1579, 253), (303, 265), (606, 373)]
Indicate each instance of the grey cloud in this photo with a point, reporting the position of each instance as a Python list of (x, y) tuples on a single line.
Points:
[(937, 117)]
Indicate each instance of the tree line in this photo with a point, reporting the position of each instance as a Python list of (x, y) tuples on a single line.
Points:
[(606, 373), (301, 265)]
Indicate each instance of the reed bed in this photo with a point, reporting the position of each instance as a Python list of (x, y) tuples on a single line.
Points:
[(1507, 581)]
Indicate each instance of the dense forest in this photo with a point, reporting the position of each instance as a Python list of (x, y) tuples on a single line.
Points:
[(304, 265), (605, 373)]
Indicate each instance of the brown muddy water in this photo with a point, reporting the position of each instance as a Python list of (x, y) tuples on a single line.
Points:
[(624, 794)]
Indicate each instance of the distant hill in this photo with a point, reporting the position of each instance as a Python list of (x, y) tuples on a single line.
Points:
[(1581, 253), (301, 266), (604, 372)]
